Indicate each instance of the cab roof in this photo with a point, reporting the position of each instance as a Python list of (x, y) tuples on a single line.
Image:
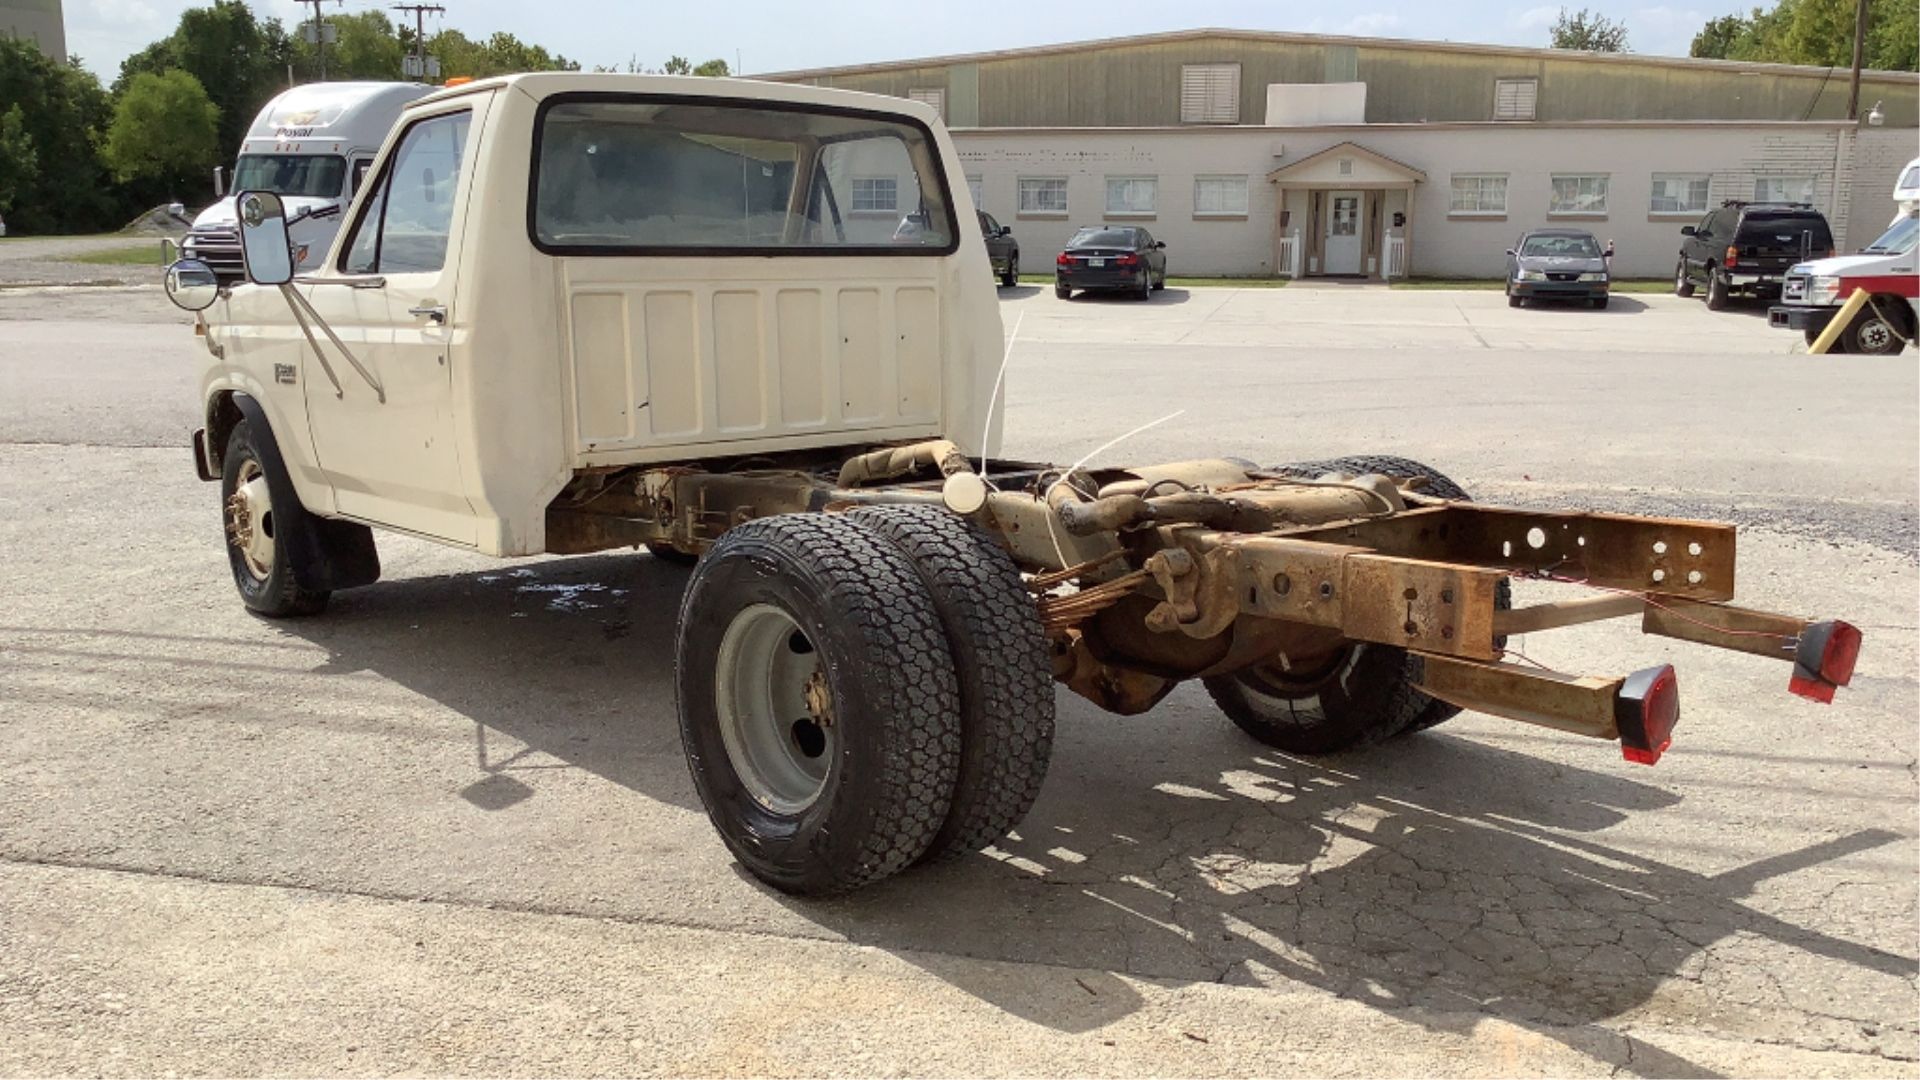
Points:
[(543, 84)]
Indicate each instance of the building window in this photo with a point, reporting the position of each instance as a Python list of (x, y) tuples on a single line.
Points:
[(1788, 189), (1579, 193), (976, 187), (1131, 194), (934, 98), (1680, 193), (1219, 196), (1210, 93), (875, 194), (1482, 193), (1514, 99), (1043, 195)]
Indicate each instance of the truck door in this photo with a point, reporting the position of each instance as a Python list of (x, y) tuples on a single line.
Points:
[(392, 297)]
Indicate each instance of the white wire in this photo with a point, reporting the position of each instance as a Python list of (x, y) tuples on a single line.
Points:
[(1075, 467), (998, 379)]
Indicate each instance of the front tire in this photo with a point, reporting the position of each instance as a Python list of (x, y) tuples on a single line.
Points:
[(818, 705), (1000, 656), (1012, 275), (1599, 303), (1682, 283), (1063, 292), (1869, 335), (260, 528)]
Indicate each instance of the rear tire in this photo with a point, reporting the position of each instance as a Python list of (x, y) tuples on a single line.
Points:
[(1439, 486), (1000, 657), (1718, 290), (1682, 283), (1145, 291), (816, 618)]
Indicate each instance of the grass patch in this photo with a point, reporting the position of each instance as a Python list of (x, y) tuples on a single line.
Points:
[(1642, 285), (1187, 282), (141, 255)]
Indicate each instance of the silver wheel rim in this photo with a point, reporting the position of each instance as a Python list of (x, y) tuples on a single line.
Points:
[(250, 520), (1874, 336), (776, 713)]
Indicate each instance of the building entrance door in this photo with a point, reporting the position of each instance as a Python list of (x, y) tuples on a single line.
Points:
[(1343, 232)]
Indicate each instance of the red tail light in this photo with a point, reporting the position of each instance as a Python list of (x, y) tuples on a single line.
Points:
[(1127, 260), (1824, 659), (1733, 255), (1064, 260), (1829, 253), (1646, 711)]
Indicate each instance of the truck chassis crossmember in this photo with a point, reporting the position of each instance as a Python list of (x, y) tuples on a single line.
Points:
[(1144, 577)]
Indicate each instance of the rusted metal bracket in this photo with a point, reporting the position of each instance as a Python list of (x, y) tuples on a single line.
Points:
[(1581, 704)]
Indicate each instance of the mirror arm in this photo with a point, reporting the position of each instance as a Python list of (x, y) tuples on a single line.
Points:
[(298, 303)]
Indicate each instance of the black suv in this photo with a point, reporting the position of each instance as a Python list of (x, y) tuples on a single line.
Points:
[(1003, 251), (1748, 247)]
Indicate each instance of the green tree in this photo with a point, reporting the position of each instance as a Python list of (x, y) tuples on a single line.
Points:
[(19, 162), (240, 61), (165, 129), (1817, 32), (678, 65), (713, 69), (61, 111), (500, 54), (1588, 31)]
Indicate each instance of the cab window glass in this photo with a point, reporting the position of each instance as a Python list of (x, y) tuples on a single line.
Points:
[(405, 226)]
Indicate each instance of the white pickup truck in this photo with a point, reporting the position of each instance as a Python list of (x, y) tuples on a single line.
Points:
[(752, 325)]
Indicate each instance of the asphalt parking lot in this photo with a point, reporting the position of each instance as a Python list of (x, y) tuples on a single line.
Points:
[(447, 827)]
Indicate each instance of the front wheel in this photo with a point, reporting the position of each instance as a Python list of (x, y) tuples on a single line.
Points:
[(1063, 292), (259, 528), (818, 705), (1870, 335), (1161, 281), (1012, 276), (1599, 303), (1515, 301), (1682, 284)]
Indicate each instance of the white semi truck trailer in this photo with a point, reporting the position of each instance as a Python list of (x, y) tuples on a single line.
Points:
[(311, 146)]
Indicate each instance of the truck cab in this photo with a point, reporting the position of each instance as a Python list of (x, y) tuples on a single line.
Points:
[(1885, 270), (312, 146)]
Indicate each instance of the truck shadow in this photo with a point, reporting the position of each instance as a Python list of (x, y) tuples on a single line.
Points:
[(1441, 879)]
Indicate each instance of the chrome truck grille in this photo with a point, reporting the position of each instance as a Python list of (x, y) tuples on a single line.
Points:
[(219, 248)]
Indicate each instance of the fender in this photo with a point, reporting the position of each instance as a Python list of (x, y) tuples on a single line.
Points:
[(326, 554)]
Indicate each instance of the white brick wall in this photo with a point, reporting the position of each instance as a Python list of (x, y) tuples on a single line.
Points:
[(1735, 155)]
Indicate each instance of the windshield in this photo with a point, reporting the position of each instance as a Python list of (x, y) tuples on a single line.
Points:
[(1909, 180), (1897, 240), (1579, 247), (625, 175), (316, 175), (1102, 238)]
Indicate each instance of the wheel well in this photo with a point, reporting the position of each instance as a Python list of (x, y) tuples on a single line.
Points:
[(1897, 310), (223, 415)]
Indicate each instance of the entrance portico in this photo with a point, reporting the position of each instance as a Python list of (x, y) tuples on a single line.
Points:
[(1344, 212)]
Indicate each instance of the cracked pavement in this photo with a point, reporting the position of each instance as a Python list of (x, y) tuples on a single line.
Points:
[(448, 828)]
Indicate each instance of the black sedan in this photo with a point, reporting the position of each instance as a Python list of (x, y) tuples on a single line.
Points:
[(1558, 264), (1121, 258)]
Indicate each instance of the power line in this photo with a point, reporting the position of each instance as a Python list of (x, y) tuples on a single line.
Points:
[(419, 12)]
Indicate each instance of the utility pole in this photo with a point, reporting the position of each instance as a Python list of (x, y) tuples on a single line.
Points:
[(1859, 48), (419, 11), (319, 34)]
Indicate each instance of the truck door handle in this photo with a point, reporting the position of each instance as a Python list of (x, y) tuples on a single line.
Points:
[(434, 312)]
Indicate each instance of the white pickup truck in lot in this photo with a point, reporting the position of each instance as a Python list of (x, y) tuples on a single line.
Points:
[(574, 313)]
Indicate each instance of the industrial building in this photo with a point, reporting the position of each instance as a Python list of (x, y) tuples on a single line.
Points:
[(40, 22), (1260, 153)]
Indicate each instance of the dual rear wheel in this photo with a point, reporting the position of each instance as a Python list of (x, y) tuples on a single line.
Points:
[(861, 692)]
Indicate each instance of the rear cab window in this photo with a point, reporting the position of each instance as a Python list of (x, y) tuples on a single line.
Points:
[(618, 174), (1762, 226)]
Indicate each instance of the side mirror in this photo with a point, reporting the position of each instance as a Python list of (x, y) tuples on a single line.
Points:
[(191, 285), (263, 238), (1688, 230), (1006, 230), (1509, 251), (1159, 245), (219, 181)]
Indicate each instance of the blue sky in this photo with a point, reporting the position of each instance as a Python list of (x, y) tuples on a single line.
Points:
[(770, 36)]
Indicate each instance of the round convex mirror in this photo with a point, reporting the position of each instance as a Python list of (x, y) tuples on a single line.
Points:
[(191, 285)]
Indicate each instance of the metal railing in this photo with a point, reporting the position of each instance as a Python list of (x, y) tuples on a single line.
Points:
[(1291, 251), (1396, 257)]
